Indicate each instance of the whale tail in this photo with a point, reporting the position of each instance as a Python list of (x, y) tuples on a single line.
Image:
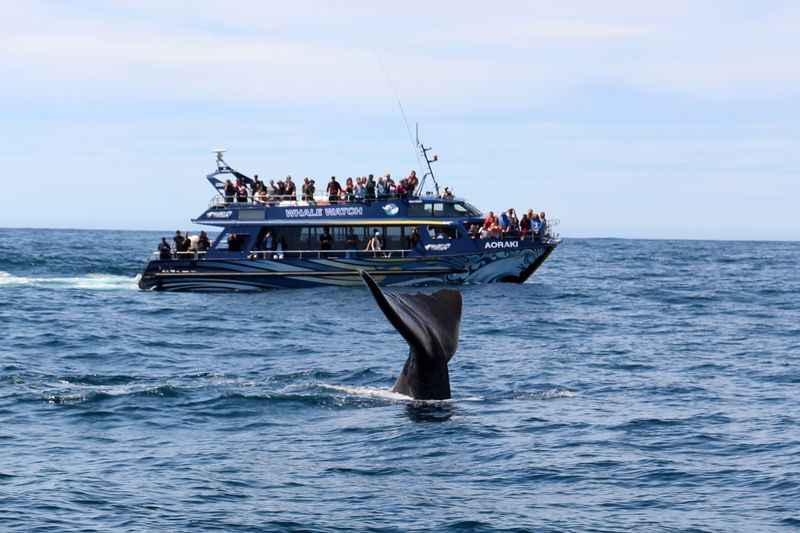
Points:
[(430, 323)]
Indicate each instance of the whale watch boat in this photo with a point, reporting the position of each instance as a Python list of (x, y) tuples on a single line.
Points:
[(411, 239)]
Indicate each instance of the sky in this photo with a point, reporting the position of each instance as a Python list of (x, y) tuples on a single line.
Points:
[(631, 119)]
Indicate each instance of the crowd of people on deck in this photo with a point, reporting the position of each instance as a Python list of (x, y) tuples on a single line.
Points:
[(532, 225), (508, 225), (359, 189), (183, 245)]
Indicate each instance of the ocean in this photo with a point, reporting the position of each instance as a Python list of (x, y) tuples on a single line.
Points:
[(630, 385)]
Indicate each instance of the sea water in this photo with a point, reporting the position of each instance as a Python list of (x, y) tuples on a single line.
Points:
[(629, 385)]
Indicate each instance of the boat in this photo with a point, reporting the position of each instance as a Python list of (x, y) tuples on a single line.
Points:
[(415, 238)]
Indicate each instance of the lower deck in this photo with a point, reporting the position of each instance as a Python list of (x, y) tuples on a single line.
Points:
[(311, 268)]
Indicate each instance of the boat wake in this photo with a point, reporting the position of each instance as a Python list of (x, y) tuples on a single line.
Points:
[(88, 282)]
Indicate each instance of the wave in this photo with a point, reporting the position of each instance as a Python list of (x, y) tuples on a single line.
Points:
[(87, 282)]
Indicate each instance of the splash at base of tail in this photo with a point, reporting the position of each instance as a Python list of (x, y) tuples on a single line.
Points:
[(430, 324)]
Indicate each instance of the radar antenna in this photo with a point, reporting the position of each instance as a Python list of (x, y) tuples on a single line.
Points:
[(221, 164), (428, 160)]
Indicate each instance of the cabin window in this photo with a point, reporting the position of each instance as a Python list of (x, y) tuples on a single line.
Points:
[(438, 210), (441, 232), (417, 209), (393, 238)]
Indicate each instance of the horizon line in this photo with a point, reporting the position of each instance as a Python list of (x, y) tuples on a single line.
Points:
[(689, 239)]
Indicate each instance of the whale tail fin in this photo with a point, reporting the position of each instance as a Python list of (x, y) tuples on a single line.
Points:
[(428, 322)]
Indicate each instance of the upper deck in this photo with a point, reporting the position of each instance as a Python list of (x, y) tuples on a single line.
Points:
[(388, 210)]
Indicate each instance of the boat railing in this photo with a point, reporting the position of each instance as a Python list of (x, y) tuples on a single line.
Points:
[(299, 254), (290, 200)]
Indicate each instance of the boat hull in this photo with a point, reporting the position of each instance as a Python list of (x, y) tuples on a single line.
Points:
[(251, 275)]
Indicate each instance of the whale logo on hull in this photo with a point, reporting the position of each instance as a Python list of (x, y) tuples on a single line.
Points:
[(430, 325), (391, 209)]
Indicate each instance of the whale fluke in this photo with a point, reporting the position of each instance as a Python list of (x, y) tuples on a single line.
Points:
[(430, 324)]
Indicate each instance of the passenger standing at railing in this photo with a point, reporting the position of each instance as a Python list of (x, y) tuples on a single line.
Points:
[(178, 240), (536, 227), (383, 188), (229, 190), (413, 182), (350, 190), (272, 190), (291, 190), (524, 226), (203, 243), (257, 184), (361, 190), (374, 244), (281, 186), (542, 225), (241, 192), (333, 190), (369, 188), (164, 251)]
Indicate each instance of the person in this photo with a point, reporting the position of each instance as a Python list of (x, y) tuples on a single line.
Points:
[(524, 226), (280, 247), (374, 244), (192, 243), (269, 243), (203, 243), (351, 243), (382, 188), (333, 190), (230, 191), (447, 195), (513, 221), (185, 246), (164, 251), (272, 190), (370, 188), (257, 184), (350, 190), (326, 240), (542, 225), (241, 191), (413, 182), (291, 190), (178, 240), (400, 189), (474, 231), (312, 188), (490, 220), (361, 190), (536, 227), (234, 243), (261, 196), (504, 222), (281, 186), (414, 238)]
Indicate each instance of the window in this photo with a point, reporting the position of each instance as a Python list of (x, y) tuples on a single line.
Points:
[(393, 238), (418, 209), (442, 232)]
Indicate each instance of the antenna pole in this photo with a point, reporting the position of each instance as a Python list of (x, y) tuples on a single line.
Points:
[(428, 160)]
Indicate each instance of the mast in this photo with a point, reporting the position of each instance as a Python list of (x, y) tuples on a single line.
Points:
[(428, 160)]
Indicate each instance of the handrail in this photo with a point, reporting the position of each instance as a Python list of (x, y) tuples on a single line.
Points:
[(219, 200), (298, 254)]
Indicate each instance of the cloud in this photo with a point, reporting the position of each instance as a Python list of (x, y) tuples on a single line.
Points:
[(455, 54)]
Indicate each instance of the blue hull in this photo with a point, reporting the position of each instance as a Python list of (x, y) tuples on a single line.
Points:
[(248, 275)]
